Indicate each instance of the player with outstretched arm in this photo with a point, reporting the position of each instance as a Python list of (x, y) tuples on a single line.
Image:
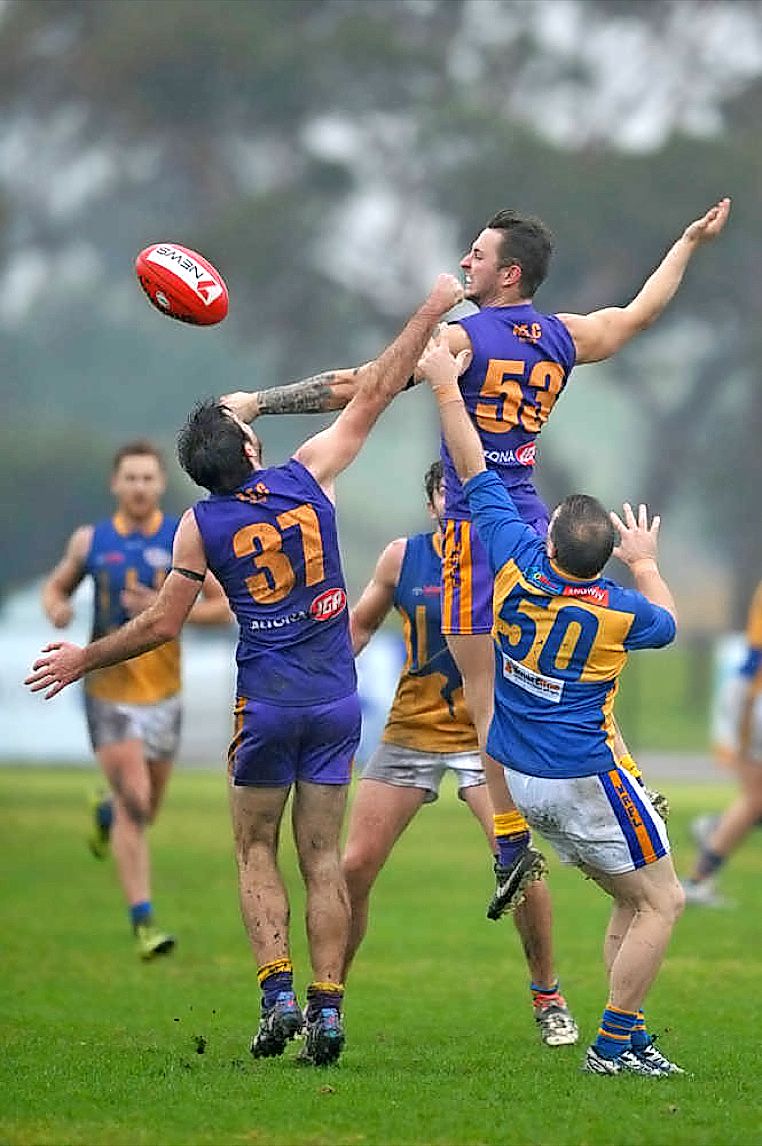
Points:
[(561, 637), (269, 535)]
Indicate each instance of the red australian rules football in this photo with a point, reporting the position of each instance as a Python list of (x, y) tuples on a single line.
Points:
[(182, 284)]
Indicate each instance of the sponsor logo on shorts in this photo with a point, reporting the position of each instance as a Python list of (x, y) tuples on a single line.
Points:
[(157, 558), (186, 268), (595, 594), (534, 682), (328, 605), (523, 456)]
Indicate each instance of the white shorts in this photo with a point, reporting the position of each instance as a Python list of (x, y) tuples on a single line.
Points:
[(411, 768), (605, 822), (157, 725), (728, 718)]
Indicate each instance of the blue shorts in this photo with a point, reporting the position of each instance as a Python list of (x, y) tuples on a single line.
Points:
[(275, 745), (466, 576)]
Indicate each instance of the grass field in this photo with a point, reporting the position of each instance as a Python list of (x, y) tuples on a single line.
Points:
[(97, 1048)]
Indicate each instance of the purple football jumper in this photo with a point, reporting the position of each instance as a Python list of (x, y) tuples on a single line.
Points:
[(521, 360), (273, 546)]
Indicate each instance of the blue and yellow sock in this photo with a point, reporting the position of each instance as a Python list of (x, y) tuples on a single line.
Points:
[(640, 1036), (320, 995), (274, 977), (141, 914), (615, 1032), (511, 835)]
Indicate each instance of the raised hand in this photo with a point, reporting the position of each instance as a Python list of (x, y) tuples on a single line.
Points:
[(446, 293), (60, 665), (707, 228), (638, 541)]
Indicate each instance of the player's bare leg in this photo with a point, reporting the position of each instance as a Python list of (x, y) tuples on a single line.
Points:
[(534, 922), (317, 817), (256, 814), (378, 817), (732, 828), (159, 772), (647, 904), (127, 772)]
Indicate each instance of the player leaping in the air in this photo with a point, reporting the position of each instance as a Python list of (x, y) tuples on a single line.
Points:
[(520, 362)]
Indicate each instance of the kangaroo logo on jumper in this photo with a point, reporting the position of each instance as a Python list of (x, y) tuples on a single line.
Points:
[(328, 605)]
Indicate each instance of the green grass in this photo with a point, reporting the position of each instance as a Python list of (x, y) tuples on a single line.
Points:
[(100, 1049)]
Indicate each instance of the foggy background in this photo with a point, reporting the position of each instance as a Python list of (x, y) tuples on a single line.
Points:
[(330, 157)]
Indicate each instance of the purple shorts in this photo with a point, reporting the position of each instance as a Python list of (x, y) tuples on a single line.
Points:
[(466, 575), (275, 746)]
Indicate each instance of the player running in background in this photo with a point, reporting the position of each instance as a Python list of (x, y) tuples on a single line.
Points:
[(720, 837), (133, 710), (520, 362), (269, 534), (428, 733), (561, 637)]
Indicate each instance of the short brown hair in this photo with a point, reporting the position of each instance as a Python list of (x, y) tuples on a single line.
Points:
[(525, 242), (140, 447)]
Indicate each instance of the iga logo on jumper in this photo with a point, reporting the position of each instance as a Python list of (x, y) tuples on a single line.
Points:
[(328, 605), (186, 268)]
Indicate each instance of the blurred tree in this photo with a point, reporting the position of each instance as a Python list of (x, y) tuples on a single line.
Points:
[(330, 156)]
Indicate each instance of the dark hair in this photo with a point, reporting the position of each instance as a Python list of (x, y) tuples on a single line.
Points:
[(432, 480), (527, 243), (583, 535), (210, 448), (139, 448)]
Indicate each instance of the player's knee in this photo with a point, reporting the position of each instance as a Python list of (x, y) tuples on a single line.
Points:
[(359, 869), (136, 808), (678, 901)]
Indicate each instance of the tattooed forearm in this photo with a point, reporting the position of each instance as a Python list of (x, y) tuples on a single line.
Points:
[(316, 395)]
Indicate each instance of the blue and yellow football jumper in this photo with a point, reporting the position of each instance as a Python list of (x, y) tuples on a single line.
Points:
[(560, 645), (118, 559), (428, 712)]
